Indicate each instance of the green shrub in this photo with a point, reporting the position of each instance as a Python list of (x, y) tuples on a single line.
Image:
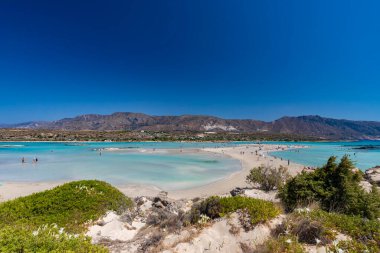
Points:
[(335, 187), (165, 219), (214, 207), (45, 239), (282, 244), (267, 177), (362, 230), (306, 229), (210, 207), (69, 206), (35, 223), (353, 246)]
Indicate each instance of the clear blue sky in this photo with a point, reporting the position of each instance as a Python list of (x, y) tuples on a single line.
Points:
[(234, 59)]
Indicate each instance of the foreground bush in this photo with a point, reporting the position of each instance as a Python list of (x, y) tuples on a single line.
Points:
[(306, 229), (364, 233), (214, 207), (45, 239), (38, 223), (69, 206), (352, 246), (267, 177), (282, 244), (335, 187)]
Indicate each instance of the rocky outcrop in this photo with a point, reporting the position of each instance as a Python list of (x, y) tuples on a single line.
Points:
[(373, 175)]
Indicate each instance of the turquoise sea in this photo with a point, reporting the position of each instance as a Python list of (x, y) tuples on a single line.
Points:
[(364, 154), (154, 163)]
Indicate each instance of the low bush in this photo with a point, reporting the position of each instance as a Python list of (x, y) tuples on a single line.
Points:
[(259, 210), (166, 220), (267, 177), (45, 239), (210, 207), (281, 244), (361, 230), (335, 187), (305, 229), (70, 205), (47, 221), (352, 246), (214, 207)]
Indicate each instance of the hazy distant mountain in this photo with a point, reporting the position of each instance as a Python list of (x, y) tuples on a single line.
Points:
[(314, 126), (29, 125)]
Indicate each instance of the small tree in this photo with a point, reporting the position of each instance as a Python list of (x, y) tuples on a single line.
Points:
[(336, 187), (267, 177)]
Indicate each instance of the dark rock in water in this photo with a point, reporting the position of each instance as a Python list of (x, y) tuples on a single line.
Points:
[(367, 147), (237, 191)]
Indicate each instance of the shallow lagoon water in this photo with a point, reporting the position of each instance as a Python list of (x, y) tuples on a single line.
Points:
[(153, 163), (158, 164)]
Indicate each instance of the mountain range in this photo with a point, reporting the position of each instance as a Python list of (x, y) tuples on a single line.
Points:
[(314, 126)]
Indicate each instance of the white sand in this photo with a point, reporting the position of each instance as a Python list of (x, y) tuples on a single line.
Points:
[(218, 237), (11, 190), (113, 228), (248, 161)]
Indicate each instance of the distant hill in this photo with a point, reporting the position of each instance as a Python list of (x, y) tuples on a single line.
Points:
[(314, 126)]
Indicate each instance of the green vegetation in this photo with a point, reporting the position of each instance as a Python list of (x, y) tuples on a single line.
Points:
[(306, 229), (69, 207), (335, 187), (362, 230), (46, 239), (344, 207), (321, 227), (214, 207), (352, 246), (88, 135), (282, 244), (267, 177)]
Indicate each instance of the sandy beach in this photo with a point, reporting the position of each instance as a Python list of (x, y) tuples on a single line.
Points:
[(250, 156)]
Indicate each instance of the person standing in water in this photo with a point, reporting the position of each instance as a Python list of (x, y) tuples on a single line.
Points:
[(23, 160)]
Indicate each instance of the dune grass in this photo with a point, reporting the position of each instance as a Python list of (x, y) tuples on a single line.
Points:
[(46, 221), (214, 207), (364, 232)]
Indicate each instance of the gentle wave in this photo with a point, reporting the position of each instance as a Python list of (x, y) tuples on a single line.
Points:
[(113, 149), (11, 146)]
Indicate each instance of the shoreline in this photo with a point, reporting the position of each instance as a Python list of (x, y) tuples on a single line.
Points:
[(245, 154), (237, 179)]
